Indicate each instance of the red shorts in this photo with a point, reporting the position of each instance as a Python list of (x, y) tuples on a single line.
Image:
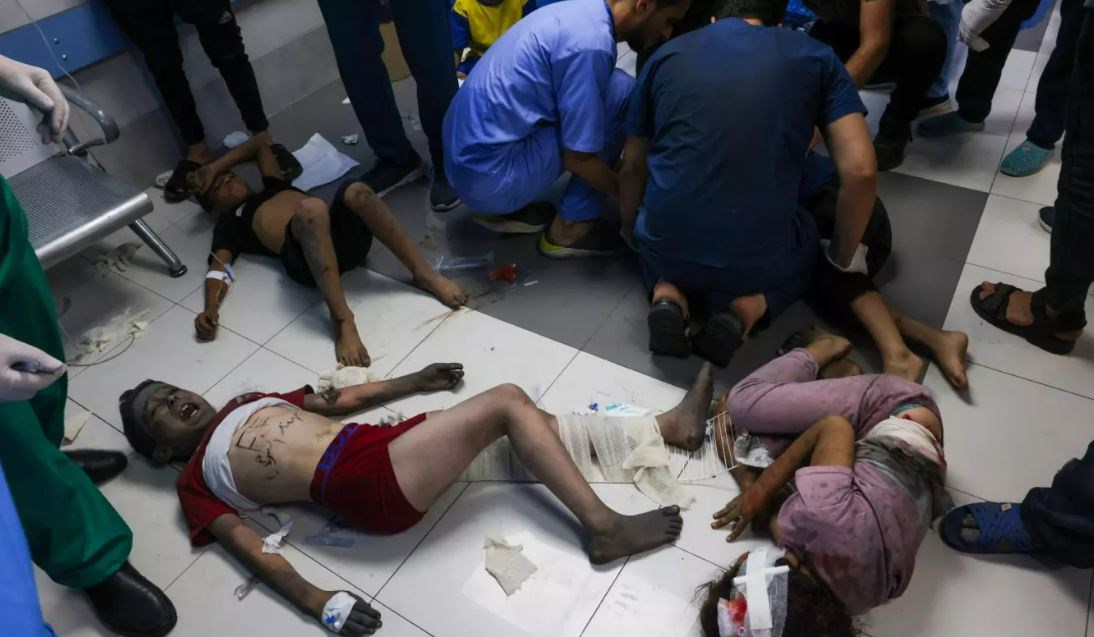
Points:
[(355, 479)]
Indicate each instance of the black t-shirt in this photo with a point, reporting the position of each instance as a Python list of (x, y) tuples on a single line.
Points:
[(234, 231)]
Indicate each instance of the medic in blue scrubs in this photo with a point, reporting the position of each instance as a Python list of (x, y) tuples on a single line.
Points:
[(544, 99)]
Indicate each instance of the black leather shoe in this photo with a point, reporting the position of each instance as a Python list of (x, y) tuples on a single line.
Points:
[(131, 606), (99, 465)]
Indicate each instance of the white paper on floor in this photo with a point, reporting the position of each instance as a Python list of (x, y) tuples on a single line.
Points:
[(547, 599), (128, 324), (640, 607), (322, 163), (116, 259), (235, 138), (74, 424), (507, 564), (344, 376)]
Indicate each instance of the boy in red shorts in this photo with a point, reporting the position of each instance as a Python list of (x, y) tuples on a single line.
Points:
[(268, 449)]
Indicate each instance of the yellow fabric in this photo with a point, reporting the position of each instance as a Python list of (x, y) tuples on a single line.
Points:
[(487, 24)]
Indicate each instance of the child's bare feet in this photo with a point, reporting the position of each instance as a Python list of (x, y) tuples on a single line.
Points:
[(348, 346), (826, 347), (749, 309), (841, 368), (685, 424), (439, 376), (630, 534), (906, 365), (446, 290), (949, 352)]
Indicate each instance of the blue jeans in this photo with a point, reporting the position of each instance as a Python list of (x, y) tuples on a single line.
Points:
[(525, 168), (947, 16), (422, 25), (1051, 105)]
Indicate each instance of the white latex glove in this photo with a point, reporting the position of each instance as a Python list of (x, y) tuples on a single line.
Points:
[(35, 88), (22, 385), (858, 261), (976, 17)]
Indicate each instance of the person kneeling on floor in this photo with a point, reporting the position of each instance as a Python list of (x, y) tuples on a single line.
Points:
[(709, 186), (268, 449), (316, 243), (865, 456)]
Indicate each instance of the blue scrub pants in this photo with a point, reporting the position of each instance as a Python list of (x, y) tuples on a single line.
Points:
[(422, 25), (947, 16), (524, 169), (18, 597)]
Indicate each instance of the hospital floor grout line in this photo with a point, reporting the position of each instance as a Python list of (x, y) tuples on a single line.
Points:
[(607, 592)]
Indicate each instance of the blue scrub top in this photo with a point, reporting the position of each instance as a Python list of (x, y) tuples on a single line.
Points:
[(20, 613), (551, 68), (729, 110)]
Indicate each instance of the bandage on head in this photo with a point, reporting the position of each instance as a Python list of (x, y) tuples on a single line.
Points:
[(759, 602), (720, 431)]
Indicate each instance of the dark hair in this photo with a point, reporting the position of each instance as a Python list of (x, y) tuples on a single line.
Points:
[(770, 12), (205, 200), (811, 611), (136, 432)]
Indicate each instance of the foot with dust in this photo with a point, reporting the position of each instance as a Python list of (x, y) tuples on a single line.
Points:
[(950, 350), (825, 347), (446, 290), (348, 346), (629, 534), (685, 424), (906, 365)]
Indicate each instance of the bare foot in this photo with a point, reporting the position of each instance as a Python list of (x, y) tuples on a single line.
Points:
[(446, 290), (630, 534), (685, 424), (841, 368), (348, 346), (439, 376), (826, 347), (749, 309), (906, 365), (949, 352)]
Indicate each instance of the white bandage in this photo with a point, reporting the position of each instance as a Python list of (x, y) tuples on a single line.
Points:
[(217, 275), (858, 261), (760, 611), (336, 611), (976, 17)]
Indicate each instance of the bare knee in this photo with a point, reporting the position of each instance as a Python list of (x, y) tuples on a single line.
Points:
[(311, 217), (359, 194), (512, 396)]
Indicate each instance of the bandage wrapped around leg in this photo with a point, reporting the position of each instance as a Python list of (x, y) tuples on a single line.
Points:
[(605, 449)]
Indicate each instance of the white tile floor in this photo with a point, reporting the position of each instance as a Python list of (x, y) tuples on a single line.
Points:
[(1028, 412)]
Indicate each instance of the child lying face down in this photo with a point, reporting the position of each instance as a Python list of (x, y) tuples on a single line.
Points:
[(865, 456), (268, 449)]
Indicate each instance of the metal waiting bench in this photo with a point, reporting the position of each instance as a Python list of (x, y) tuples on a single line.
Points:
[(69, 200)]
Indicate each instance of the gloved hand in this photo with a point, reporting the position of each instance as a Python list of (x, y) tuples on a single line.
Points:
[(858, 261), (22, 385), (35, 88), (976, 17)]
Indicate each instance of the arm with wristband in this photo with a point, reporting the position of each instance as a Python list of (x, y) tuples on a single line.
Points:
[(340, 612), (217, 281)]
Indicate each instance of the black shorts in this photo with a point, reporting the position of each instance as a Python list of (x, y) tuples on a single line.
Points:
[(351, 237)]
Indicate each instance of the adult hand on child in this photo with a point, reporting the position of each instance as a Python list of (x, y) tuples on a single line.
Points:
[(25, 369), (741, 510), (200, 180), (205, 324), (35, 88), (362, 618)]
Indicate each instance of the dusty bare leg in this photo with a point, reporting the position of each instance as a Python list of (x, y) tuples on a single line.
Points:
[(385, 227), (311, 226), (685, 424), (949, 348), (874, 314), (429, 457)]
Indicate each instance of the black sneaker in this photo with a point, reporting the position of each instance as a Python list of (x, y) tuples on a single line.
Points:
[(719, 339), (176, 190), (889, 144), (441, 196), (387, 175), (1046, 216), (668, 329), (600, 241), (530, 219)]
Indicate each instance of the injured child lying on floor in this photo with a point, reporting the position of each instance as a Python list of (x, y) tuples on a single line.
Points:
[(269, 449), (866, 461)]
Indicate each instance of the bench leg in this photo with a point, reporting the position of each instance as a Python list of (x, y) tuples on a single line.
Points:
[(175, 267)]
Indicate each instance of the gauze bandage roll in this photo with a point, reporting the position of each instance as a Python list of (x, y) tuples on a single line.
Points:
[(336, 611), (976, 17), (605, 449), (858, 260)]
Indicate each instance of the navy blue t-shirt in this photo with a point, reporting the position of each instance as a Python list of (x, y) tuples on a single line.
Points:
[(729, 112)]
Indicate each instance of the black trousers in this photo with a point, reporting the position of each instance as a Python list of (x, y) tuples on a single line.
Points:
[(1060, 518), (150, 24), (983, 69), (917, 51), (1071, 262), (1051, 106), (831, 292)]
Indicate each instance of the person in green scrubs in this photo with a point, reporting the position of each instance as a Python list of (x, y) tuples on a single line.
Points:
[(73, 532)]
